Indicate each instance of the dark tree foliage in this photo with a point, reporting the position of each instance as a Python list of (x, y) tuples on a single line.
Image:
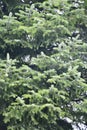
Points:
[(43, 64)]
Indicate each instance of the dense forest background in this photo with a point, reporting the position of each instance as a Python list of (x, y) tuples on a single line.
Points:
[(43, 64)]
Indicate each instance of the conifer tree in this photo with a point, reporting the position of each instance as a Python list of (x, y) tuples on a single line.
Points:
[(43, 81)]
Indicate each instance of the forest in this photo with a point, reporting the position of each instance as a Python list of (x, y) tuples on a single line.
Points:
[(43, 64)]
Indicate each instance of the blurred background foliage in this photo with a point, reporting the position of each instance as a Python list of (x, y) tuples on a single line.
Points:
[(43, 64)]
